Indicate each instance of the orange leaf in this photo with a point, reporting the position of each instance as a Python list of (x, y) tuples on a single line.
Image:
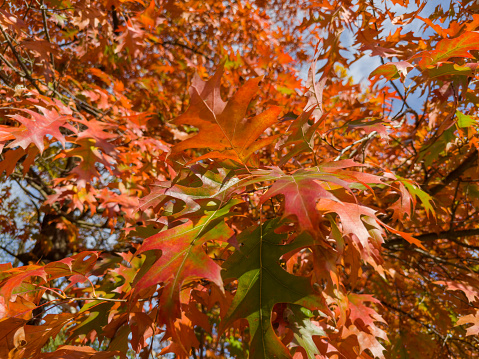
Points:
[(223, 127)]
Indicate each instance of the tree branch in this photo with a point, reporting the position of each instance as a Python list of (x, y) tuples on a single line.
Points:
[(6, 250), (428, 237), (455, 174), (22, 65)]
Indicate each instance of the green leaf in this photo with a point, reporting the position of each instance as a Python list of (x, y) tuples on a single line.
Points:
[(449, 69), (94, 317), (430, 152), (285, 90), (299, 319), (262, 283), (465, 121), (424, 197), (392, 70), (472, 190)]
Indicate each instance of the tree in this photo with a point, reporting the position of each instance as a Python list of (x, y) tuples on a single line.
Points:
[(167, 189)]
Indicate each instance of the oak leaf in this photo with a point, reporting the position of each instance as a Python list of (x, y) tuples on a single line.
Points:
[(81, 352), (199, 188), (304, 188), (300, 320), (34, 129), (447, 48), (183, 259), (223, 127), (470, 319), (262, 283)]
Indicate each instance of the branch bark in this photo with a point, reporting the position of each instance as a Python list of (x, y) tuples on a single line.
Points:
[(428, 237), (454, 175)]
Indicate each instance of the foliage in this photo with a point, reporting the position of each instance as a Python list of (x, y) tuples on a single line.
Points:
[(143, 215)]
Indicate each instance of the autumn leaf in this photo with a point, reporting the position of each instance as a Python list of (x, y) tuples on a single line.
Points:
[(5, 135), (12, 335), (445, 69), (100, 132), (89, 155), (423, 196), (24, 278), (370, 126), (304, 188), (302, 137), (223, 127), (176, 266), (470, 319), (16, 279), (226, 230), (199, 188), (35, 129), (361, 225), (468, 287), (304, 329), (183, 259), (363, 316), (262, 283), (301, 190), (314, 92), (38, 336), (447, 48), (11, 21), (81, 352), (10, 160), (20, 307), (392, 70), (360, 312)]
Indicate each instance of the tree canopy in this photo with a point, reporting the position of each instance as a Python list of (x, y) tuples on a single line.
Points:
[(239, 179)]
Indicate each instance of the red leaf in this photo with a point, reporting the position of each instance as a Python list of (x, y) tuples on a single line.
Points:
[(184, 259), (35, 129), (468, 289), (302, 191), (10, 160), (447, 48)]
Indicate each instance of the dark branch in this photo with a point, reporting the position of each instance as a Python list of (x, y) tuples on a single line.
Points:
[(428, 237), (454, 175)]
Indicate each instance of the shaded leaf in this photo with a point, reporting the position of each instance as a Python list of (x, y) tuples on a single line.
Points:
[(304, 329), (262, 283), (199, 188), (81, 352)]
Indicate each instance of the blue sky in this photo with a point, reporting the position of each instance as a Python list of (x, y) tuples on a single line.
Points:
[(361, 69)]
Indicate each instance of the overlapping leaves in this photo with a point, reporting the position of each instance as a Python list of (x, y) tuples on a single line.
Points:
[(183, 259)]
